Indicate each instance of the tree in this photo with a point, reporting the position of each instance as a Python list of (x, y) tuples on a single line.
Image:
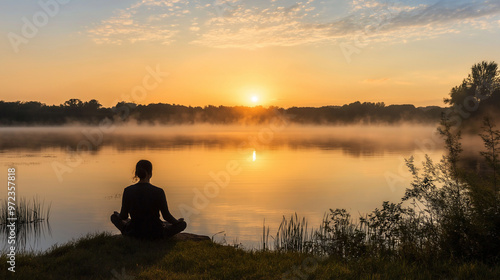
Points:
[(73, 103), (92, 105), (491, 140), (484, 79), (480, 85)]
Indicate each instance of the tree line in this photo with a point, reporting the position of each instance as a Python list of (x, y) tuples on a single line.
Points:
[(92, 112)]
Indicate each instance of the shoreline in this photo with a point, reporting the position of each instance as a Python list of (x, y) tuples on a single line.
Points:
[(106, 256)]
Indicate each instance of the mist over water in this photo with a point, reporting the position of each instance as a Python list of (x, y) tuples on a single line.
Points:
[(349, 138), (288, 169)]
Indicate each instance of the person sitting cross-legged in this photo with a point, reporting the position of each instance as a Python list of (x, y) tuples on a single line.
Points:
[(144, 202)]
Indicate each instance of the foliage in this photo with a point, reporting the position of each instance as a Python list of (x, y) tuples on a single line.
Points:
[(25, 211), (481, 83), (102, 256), (444, 214), (31, 220), (477, 96), (292, 235), (491, 140)]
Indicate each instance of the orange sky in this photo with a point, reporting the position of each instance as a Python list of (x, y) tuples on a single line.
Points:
[(105, 56)]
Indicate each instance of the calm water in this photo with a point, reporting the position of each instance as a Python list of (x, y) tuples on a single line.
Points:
[(306, 170)]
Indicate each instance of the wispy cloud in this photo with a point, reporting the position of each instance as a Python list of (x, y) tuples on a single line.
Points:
[(375, 21), (253, 27), (244, 24), (444, 12), (147, 20)]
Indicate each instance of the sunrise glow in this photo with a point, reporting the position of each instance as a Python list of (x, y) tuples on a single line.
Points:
[(335, 95), (307, 56)]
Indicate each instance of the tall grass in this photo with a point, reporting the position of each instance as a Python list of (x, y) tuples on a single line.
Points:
[(448, 212), (26, 211), (293, 235), (265, 237), (32, 221)]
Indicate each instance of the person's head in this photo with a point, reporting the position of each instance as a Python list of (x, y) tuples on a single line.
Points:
[(143, 169)]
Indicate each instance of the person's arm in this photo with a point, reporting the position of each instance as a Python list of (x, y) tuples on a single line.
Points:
[(164, 209), (125, 206)]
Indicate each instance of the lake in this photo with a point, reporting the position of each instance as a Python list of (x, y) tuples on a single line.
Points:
[(226, 179)]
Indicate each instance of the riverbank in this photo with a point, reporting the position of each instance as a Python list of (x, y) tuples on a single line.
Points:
[(103, 256)]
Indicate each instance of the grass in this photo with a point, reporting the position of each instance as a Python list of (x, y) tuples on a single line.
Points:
[(32, 221), (103, 256), (26, 211), (292, 235)]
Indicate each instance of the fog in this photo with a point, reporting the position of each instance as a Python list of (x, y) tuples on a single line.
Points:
[(355, 139)]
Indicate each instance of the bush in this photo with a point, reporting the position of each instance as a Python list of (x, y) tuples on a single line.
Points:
[(448, 212)]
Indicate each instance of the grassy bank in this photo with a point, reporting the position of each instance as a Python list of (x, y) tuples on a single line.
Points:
[(103, 256)]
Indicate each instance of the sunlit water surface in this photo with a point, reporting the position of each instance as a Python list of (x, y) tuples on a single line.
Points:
[(303, 170)]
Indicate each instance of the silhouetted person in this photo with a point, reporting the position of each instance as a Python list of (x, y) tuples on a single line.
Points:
[(144, 202)]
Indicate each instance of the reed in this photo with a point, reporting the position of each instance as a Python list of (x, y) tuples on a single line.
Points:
[(265, 237), (32, 221), (25, 211), (292, 235)]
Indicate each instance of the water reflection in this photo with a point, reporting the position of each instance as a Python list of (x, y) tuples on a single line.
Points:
[(356, 141), (28, 236), (303, 170)]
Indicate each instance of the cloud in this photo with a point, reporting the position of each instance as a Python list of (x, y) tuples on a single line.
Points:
[(146, 20), (251, 25), (444, 12), (374, 21)]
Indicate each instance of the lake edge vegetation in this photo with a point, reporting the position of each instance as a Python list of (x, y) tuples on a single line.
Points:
[(106, 256), (23, 222), (25, 211), (448, 213)]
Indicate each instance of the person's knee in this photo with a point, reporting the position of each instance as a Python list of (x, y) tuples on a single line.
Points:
[(115, 219), (182, 225)]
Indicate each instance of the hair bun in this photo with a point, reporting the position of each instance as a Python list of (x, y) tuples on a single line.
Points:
[(143, 168)]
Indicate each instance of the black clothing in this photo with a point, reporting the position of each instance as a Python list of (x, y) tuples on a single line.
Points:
[(168, 229), (143, 202)]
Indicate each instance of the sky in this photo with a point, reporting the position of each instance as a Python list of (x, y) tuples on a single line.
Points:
[(237, 52)]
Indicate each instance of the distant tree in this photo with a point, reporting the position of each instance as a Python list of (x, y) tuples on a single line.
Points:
[(92, 105), (73, 103), (91, 112)]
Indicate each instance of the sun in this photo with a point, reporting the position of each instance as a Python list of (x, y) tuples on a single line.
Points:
[(254, 96)]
